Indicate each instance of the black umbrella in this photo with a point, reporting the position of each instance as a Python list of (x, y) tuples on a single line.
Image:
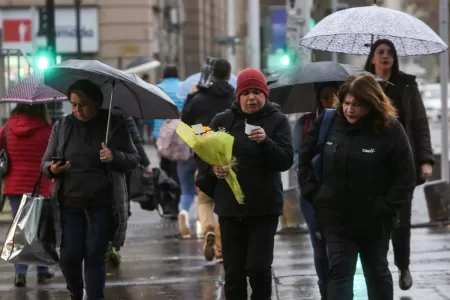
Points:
[(294, 88), (128, 92)]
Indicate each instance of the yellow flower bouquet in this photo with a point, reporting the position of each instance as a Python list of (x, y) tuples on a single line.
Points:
[(216, 149)]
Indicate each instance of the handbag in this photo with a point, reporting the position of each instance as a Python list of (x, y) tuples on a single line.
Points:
[(4, 159), (31, 238)]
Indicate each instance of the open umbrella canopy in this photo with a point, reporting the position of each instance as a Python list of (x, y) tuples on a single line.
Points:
[(295, 88), (187, 85), (128, 92), (353, 31), (32, 90)]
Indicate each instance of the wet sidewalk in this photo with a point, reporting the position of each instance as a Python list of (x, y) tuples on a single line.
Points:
[(157, 265)]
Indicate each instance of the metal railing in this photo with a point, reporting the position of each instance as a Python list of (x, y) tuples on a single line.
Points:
[(14, 66)]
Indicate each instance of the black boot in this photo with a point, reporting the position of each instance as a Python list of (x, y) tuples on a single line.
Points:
[(20, 280), (323, 293), (405, 280)]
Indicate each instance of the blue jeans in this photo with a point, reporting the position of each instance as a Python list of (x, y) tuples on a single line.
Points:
[(85, 237), (186, 175), (20, 268), (318, 243)]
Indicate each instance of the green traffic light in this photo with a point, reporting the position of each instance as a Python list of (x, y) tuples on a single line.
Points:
[(285, 60), (42, 63)]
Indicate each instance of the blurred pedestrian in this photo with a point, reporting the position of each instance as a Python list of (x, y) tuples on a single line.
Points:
[(325, 97), (202, 104), (404, 93), (367, 175), (262, 153), (28, 127), (89, 184)]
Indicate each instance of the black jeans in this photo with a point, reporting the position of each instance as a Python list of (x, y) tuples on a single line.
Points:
[(247, 250), (85, 237), (343, 255), (401, 238)]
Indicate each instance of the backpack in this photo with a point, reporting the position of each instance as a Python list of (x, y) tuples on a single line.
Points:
[(328, 118), (170, 145)]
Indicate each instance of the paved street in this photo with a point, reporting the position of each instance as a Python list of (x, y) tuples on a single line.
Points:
[(156, 265)]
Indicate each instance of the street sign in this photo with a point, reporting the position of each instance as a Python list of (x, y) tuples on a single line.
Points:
[(17, 31)]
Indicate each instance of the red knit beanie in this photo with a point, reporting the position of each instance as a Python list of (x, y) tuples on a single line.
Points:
[(251, 78)]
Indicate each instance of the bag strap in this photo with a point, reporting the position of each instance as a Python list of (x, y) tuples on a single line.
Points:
[(325, 126), (37, 186)]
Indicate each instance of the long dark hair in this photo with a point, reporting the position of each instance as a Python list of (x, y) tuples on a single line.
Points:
[(35, 110), (370, 67)]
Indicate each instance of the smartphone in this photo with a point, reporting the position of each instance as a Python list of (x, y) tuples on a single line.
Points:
[(59, 159)]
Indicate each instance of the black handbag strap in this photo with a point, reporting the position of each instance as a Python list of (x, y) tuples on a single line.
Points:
[(37, 186)]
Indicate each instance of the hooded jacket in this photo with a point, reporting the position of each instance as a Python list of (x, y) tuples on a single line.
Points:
[(201, 107), (366, 178), (259, 165), (26, 141)]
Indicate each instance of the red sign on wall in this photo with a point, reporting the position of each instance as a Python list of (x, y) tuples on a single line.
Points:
[(17, 31)]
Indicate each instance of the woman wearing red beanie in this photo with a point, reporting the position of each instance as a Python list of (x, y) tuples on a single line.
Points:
[(263, 149)]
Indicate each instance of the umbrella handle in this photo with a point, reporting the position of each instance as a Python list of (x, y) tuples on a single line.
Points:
[(109, 113)]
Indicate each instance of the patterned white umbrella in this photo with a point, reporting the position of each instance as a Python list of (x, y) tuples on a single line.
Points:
[(32, 90), (353, 31)]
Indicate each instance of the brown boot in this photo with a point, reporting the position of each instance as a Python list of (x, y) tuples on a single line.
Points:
[(218, 245), (208, 245)]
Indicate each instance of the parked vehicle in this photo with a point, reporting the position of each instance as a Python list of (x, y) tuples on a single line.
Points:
[(431, 96)]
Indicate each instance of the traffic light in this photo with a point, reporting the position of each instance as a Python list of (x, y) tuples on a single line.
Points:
[(43, 59), (285, 60)]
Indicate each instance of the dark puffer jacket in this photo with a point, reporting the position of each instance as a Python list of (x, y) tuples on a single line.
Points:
[(366, 178), (259, 164), (126, 158)]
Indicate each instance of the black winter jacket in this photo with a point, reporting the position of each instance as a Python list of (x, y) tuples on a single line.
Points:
[(405, 95), (259, 164), (200, 108), (366, 178)]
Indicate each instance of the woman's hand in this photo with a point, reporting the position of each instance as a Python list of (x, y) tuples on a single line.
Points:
[(221, 172), (257, 135), (106, 154), (58, 167), (426, 170)]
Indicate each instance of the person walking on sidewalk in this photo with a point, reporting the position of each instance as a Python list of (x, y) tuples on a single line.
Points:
[(248, 230), (404, 93), (28, 127), (325, 97), (366, 175), (90, 186), (200, 108)]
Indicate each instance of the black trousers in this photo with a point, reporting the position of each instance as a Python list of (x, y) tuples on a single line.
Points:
[(247, 250), (343, 255), (170, 167), (401, 238)]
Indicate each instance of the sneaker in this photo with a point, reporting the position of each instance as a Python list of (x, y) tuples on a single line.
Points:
[(208, 246), (219, 259), (45, 277), (183, 224), (20, 280)]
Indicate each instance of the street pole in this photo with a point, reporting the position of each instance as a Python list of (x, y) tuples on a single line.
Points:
[(334, 7), (78, 27), (254, 38), (51, 30), (298, 20), (444, 61), (231, 32)]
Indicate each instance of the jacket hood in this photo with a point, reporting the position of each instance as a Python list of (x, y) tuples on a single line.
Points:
[(25, 125), (221, 89), (268, 109)]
